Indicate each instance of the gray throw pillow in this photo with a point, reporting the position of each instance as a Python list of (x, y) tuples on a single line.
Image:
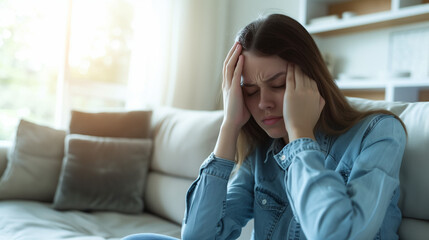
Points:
[(34, 163), (103, 173)]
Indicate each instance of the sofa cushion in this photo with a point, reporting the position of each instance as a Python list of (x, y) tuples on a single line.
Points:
[(165, 196), (101, 173), (34, 163), (415, 164), (132, 124), (414, 229), (36, 220), (4, 147), (190, 136)]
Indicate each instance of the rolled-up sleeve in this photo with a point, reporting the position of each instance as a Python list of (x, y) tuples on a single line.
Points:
[(325, 206)]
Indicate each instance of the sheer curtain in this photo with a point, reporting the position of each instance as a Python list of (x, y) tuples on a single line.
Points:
[(178, 52)]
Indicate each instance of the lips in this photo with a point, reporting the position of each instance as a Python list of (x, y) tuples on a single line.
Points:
[(271, 120)]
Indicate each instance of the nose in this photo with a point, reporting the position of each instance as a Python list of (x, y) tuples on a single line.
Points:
[(266, 100)]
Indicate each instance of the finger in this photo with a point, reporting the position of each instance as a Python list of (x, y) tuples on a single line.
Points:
[(231, 51), (232, 63), (228, 56), (299, 77), (313, 85), (290, 80), (306, 81), (236, 80)]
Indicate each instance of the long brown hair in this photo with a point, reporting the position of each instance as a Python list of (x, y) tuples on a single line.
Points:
[(282, 36)]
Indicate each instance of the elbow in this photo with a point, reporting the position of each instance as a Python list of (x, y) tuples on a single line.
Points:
[(324, 229)]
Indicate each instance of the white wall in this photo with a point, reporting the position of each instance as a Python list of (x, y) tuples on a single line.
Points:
[(242, 12)]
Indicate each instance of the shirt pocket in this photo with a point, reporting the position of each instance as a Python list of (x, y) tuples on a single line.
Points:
[(269, 209), (269, 201)]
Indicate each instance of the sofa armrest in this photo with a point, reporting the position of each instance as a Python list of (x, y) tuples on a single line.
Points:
[(4, 147)]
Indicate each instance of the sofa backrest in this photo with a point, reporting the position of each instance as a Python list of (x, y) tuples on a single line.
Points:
[(183, 139)]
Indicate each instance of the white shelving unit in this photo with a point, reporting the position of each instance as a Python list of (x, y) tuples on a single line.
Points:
[(400, 89), (400, 12), (368, 15)]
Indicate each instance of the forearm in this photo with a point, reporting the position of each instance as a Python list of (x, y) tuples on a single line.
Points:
[(226, 143), (205, 200)]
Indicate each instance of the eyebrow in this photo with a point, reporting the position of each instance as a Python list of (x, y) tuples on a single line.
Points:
[(267, 80)]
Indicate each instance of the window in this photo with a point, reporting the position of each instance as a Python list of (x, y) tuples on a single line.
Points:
[(52, 61)]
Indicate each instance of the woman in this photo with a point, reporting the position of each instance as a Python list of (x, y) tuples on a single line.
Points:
[(308, 165)]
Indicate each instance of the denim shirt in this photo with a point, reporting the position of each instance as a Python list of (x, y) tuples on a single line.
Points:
[(343, 187)]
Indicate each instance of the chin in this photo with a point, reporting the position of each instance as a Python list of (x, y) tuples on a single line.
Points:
[(276, 134)]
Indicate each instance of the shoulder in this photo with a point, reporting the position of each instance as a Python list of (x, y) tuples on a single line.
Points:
[(381, 123), (382, 133), (376, 127)]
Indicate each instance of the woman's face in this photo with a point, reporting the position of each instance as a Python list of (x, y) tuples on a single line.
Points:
[(263, 83)]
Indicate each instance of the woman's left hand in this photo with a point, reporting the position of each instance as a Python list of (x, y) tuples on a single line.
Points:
[(302, 104)]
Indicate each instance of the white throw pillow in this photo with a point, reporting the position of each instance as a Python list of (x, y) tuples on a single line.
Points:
[(34, 163)]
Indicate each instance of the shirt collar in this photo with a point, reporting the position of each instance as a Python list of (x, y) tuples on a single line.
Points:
[(276, 146)]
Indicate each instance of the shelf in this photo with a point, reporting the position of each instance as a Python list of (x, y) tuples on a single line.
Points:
[(324, 18), (372, 21), (361, 84), (380, 84), (401, 89), (394, 17)]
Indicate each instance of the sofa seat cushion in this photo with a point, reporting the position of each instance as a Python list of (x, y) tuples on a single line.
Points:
[(41, 221), (414, 229)]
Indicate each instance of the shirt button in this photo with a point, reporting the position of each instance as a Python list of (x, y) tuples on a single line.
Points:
[(282, 157), (264, 201)]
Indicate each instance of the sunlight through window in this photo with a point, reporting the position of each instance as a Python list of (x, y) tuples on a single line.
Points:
[(33, 52)]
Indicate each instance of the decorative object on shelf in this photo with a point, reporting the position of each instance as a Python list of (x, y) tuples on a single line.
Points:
[(324, 20), (392, 74), (352, 77), (409, 52), (348, 14)]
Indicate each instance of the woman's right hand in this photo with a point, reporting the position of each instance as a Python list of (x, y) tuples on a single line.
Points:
[(236, 113)]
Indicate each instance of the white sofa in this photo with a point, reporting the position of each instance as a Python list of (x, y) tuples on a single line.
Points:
[(182, 139)]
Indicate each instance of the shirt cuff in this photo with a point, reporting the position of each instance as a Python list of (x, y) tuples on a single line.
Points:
[(216, 166), (288, 153)]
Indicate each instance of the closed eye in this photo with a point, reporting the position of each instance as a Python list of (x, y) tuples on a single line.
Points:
[(249, 94), (280, 86)]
